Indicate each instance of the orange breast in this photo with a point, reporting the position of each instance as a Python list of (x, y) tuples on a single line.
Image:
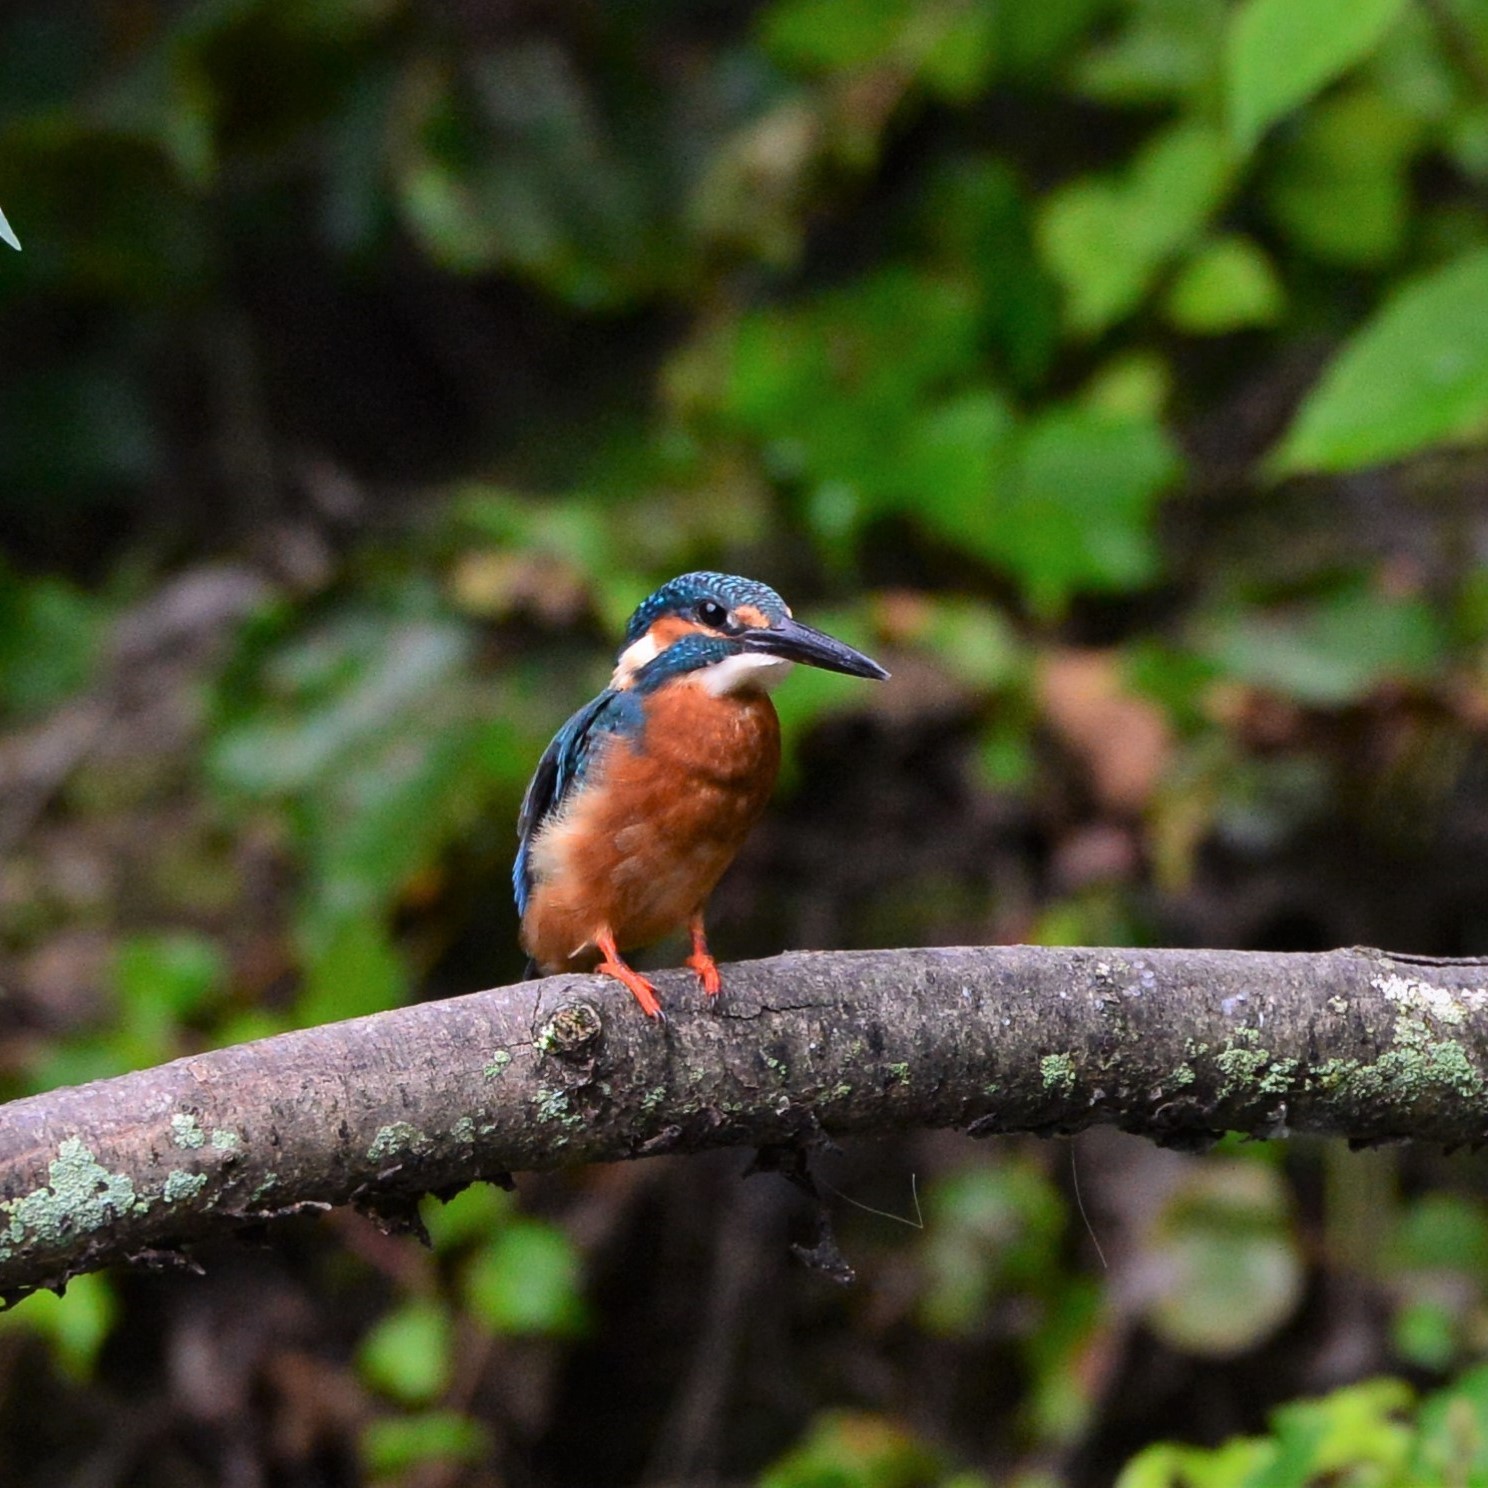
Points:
[(654, 826)]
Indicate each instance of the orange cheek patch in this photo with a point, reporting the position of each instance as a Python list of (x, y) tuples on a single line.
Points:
[(670, 628), (753, 617)]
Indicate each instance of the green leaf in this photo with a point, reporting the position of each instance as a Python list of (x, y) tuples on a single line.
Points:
[(50, 637), (161, 981), (333, 696), (1227, 1266), (1357, 1428), (547, 188), (1034, 39), (351, 968), (76, 1324), (849, 359), (1281, 52), (1340, 188), (1332, 652), (527, 1281), (1427, 1332), (1437, 1261), (1134, 385), (1076, 510), (959, 58), (1167, 51), (408, 1353), (851, 1449), (1415, 376), (1228, 284), (393, 1444), (176, 972), (365, 733), (950, 45), (989, 1230), (844, 394), (1372, 1433), (958, 452), (1442, 1231), (1451, 1444), (971, 640), (838, 34), (1237, 1464), (978, 220), (1106, 239), (475, 1213), (1062, 1399)]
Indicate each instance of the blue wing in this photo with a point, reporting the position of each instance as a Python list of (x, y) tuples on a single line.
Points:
[(561, 770)]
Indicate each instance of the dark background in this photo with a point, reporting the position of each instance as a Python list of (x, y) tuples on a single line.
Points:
[(1114, 370)]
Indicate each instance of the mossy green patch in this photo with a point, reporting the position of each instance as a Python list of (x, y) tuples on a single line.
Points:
[(1240, 1067), (557, 1106), (186, 1131), (1248, 1071), (1058, 1072), (1419, 1068), (1423, 1000), (397, 1139), (1430, 1061), (263, 1189), (80, 1196), (181, 1185)]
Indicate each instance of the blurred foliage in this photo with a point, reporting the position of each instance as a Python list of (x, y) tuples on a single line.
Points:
[(1115, 368), (844, 1450), (1225, 1253), (1376, 1433), (49, 640)]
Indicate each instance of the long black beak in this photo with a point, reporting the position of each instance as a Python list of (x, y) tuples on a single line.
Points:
[(796, 642)]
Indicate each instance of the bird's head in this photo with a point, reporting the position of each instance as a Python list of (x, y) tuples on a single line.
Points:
[(725, 634)]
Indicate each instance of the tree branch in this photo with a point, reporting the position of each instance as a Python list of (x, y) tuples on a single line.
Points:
[(1177, 1045)]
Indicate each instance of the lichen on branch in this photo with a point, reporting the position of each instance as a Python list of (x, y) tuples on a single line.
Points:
[(1177, 1045)]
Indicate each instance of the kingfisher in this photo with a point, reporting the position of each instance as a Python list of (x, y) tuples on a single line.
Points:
[(647, 793)]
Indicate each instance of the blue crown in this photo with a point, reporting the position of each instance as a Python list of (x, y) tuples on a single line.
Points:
[(683, 594)]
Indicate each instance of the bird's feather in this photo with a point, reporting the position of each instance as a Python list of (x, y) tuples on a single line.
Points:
[(563, 767)]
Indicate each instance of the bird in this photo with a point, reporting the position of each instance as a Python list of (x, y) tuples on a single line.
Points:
[(646, 794)]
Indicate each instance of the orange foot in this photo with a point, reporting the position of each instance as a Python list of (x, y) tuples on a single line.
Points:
[(700, 961), (612, 965)]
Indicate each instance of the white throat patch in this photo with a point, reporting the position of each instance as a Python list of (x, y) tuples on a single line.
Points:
[(746, 671), (632, 659)]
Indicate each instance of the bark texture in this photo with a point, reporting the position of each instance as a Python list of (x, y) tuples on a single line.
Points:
[(1177, 1045)]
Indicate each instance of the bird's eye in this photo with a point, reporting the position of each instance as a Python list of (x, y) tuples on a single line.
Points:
[(710, 612)]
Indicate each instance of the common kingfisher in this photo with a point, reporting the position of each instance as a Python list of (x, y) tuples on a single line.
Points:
[(646, 794)]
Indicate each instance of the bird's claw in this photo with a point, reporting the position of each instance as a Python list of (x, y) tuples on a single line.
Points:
[(707, 972), (642, 990)]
